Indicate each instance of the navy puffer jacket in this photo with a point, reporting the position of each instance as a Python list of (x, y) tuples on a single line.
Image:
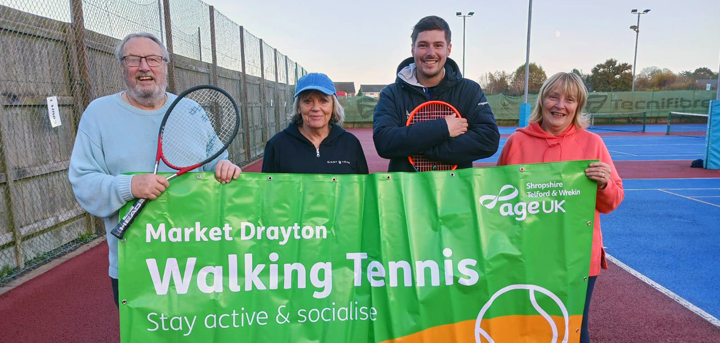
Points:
[(395, 141)]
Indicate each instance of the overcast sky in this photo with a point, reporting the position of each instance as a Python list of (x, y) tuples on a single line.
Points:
[(364, 41)]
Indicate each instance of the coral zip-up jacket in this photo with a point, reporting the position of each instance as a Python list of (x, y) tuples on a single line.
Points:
[(532, 144)]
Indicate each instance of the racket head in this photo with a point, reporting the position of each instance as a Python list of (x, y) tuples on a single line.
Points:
[(198, 126), (430, 110)]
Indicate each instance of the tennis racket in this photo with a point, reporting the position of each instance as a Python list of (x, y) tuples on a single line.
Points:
[(430, 110), (197, 127)]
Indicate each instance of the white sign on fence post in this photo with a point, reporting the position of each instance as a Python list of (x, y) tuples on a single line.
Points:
[(53, 111)]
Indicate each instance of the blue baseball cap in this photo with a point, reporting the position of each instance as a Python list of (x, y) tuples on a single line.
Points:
[(316, 81)]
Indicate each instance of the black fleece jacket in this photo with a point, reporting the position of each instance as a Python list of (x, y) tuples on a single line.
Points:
[(395, 141), (290, 152)]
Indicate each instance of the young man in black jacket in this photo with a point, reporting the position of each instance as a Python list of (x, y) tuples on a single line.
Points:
[(431, 75)]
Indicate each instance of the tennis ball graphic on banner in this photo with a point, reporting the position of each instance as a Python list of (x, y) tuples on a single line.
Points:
[(507, 328)]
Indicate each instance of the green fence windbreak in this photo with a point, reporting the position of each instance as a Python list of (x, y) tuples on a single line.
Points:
[(358, 109), (656, 104)]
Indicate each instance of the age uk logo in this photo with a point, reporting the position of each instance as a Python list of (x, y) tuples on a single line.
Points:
[(521, 209)]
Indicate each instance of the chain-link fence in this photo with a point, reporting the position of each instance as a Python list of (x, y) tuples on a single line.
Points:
[(62, 52)]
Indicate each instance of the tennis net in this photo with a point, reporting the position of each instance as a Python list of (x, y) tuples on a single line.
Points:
[(688, 123), (621, 122)]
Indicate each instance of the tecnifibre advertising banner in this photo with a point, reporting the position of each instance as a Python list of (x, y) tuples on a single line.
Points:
[(504, 107), (477, 255)]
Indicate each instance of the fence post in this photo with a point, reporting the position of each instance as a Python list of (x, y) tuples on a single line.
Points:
[(287, 72), (213, 48), (263, 105), (81, 75), (244, 95), (78, 26), (5, 137), (199, 44), (169, 46), (277, 99), (288, 91), (160, 19)]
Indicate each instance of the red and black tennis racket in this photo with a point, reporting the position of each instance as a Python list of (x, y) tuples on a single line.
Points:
[(430, 110), (199, 125)]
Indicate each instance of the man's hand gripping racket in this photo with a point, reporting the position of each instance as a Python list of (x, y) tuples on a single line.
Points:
[(430, 110), (198, 126)]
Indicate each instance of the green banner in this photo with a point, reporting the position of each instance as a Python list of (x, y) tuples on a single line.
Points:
[(462, 256)]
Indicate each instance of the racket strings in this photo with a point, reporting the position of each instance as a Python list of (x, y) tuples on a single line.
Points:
[(426, 113), (200, 125)]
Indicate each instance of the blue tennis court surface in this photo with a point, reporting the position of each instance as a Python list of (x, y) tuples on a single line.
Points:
[(669, 230), (674, 128), (638, 147), (654, 148)]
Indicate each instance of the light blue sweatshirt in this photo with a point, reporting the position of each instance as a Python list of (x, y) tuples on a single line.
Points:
[(114, 138)]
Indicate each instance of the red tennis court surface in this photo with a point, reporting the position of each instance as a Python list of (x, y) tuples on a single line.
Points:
[(73, 301)]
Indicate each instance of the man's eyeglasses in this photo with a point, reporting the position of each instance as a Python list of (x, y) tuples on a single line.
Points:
[(152, 60)]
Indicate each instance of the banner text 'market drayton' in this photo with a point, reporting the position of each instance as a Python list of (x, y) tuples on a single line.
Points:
[(248, 231)]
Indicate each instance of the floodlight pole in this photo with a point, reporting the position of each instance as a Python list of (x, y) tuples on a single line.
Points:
[(524, 114), (464, 16), (637, 34), (527, 54)]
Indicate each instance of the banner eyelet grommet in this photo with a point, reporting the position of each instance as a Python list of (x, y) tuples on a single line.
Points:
[(269, 178), (124, 302), (589, 223), (334, 179), (452, 174), (387, 177), (199, 176), (522, 169)]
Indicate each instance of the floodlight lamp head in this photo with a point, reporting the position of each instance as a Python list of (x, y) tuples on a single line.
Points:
[(471, 14), (634, 28), (458, 13), (646, 11), (634, 11)]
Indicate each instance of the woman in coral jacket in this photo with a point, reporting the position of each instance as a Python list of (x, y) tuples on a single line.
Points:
[(557, 133)]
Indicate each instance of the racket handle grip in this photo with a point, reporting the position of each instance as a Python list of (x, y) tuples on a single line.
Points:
[(122, 226)]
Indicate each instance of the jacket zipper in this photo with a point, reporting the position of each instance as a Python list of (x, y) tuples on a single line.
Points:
[(317, 154)]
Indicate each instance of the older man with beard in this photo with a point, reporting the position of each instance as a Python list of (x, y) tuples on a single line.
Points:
[(118, 134)]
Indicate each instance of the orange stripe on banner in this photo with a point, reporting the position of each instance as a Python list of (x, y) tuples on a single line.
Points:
[(515, 329)]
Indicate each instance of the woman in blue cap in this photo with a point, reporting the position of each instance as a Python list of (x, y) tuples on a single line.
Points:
[(314, 142)]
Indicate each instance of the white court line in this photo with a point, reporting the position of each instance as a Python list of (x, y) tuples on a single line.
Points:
[(620, 152), (693, 199), (665, 291), (685, 154), (707, 196), (653, 145), (677, 159)]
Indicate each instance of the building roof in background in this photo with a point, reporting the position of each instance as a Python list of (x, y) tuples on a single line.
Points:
[(703, 82), (347, 87), (372, 88)]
